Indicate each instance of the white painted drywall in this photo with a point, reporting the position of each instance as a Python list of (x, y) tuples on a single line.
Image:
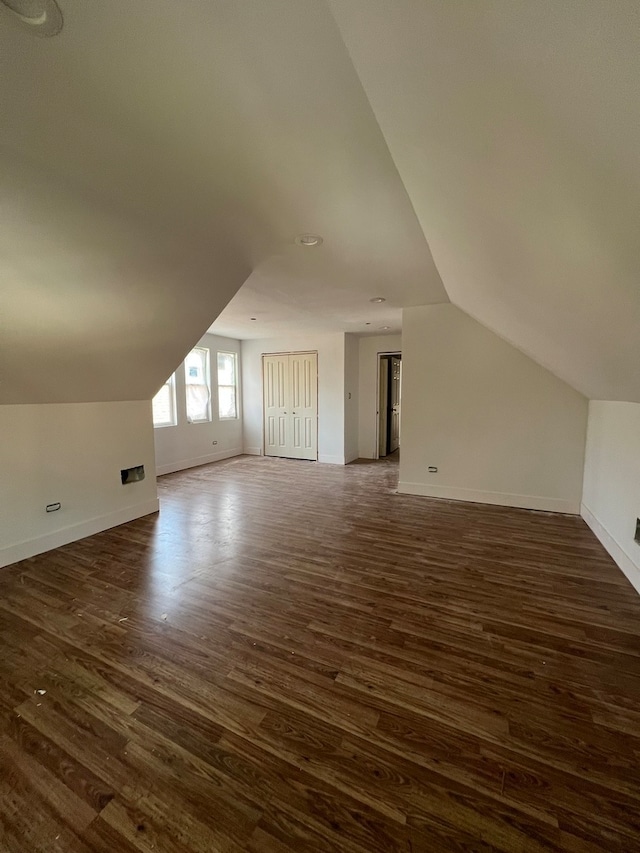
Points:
[(514, 127), (368, 390), (611, 493), (330, 350), (186, 445), (72, 453), (500, 428), (351, 394)]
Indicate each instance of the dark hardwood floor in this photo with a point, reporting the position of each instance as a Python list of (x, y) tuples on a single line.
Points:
[(291, 657)]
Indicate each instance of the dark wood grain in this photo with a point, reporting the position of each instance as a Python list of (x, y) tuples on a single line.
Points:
[(294, 657)]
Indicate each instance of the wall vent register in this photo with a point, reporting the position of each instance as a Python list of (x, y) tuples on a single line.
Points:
[(132, 475)]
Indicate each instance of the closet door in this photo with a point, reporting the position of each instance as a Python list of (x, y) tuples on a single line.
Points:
[(303, 372), (277, 424), (291, 405)]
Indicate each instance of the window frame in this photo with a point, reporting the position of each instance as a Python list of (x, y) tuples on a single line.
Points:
[(171, 383), (220, 385), (207, 383)]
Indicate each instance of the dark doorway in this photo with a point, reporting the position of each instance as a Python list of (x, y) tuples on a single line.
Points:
[(389, 403)]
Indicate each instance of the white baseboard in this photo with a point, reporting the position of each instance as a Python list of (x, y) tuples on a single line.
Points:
[(629, 568), (57, 538), (183, 464), (497, 498), (331, 460)]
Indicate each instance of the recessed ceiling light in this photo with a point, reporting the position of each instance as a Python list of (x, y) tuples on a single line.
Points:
[(384, 328), (378, 299), (308, 240), (41, 17)]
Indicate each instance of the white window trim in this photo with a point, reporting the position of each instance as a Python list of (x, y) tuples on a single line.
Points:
[(171, 382), (235, 386)]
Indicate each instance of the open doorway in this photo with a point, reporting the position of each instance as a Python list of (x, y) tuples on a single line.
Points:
[(389, 403)]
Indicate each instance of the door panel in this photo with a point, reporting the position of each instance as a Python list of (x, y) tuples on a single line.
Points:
[(383, 406), (276, 425), (282, 432), (291, 405), (310, 382), (395, 380), (304, 408), (282, 384), (295, 382)]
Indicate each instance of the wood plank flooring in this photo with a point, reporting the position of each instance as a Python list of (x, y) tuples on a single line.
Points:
[(291, 657)]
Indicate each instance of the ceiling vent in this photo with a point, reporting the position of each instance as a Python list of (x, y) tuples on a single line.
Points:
[(41, 17)]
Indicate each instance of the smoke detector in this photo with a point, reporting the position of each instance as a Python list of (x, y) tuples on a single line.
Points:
[(41, 17)]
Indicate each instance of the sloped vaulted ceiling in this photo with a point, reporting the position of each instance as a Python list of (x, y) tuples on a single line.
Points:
[(157, 155), (515, 125)]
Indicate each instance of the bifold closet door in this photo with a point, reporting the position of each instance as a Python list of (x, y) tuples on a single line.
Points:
[(303, 374), (276, 422), (291, 405)]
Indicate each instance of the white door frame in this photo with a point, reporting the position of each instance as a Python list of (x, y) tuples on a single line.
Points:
[(379, 357)]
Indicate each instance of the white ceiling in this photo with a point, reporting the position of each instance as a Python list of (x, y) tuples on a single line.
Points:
[(306, 289), (158, 157)]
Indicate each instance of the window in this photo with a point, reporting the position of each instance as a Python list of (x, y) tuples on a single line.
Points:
[(197, 385), (164, 404), (227, 385)]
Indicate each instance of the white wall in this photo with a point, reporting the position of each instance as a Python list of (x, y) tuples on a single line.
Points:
[(368, 390), (330, 348), (611, 495), (351, 396), (72, 453), (500, 428), (186, 445)]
